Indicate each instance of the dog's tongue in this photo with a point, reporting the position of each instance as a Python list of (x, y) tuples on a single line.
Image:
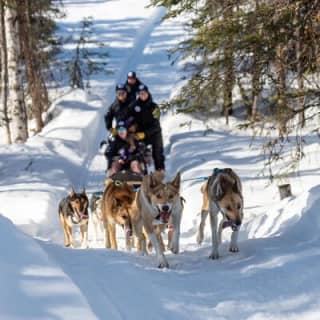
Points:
[(164, 216)]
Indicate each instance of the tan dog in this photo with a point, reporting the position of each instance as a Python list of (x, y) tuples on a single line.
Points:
[(222, 192), (73, 210), (159, 203), (159, 229), (117, 203)]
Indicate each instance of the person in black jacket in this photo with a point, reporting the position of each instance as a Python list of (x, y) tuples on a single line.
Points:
[(119, 108), (123, 153), (132, 85), (145, 114)]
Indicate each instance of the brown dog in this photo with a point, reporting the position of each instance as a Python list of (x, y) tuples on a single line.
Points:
[(117, 203), (222, 192), (159, 204), (73, 210)]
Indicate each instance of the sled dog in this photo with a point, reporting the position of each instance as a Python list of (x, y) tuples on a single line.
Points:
[(222, 192), (118, 200), (96, 216), (159, 204), (73, 210)]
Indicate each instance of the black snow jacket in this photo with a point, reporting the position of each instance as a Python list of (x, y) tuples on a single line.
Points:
[(145, 115), (118, 111), (133, 89)]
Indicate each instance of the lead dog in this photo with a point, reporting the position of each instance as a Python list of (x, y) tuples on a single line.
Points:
[(73, 210), (117, 203), (159, 203), (222, 192)]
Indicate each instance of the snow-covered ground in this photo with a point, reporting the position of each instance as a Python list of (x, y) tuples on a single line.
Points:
[(274, 276)]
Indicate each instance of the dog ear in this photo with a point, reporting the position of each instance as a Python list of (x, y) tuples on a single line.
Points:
[(219, 187), (236, 187), (156, 178), (116, 203), (84, 191), (176, 181), (72, 192), (107, 182), (152, 181)]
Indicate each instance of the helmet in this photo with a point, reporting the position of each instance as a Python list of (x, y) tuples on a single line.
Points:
[(132, 74), (121, 126), (143, 87), (121, 86)]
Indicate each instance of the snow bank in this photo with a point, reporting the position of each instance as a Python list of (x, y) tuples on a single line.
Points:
[(33, 287)]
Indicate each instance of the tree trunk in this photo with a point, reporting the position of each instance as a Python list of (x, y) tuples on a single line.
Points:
[(256, 72), (37, 89), (228, 84), (299, 49), (228, 70), (15, 71), (4, 75), (281, 87)]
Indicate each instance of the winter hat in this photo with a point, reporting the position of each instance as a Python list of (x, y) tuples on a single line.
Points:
[(132, 74), (121, 126), (143, 87), (121, 86)]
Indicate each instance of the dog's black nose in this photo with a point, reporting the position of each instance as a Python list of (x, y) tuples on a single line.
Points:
[(165, 208), (238, 222), (124, 217)]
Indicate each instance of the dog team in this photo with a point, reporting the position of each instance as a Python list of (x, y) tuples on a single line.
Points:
[(157, 205)]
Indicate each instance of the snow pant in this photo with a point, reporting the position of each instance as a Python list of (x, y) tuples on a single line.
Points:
[(157, 150)]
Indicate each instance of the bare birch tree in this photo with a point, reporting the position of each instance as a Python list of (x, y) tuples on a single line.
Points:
[(15, 76), (4, 75)]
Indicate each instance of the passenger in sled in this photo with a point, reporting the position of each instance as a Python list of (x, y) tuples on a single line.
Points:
[(124, 153)]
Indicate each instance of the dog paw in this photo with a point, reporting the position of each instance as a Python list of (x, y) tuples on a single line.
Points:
[(199, 239), (214, 255), (163, 263), (234, 249), (174, 250)]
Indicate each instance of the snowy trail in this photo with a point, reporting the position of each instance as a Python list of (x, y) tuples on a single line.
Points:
[(114, 282)]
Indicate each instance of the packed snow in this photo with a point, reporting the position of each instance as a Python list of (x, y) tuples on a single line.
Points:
[(274, 276)]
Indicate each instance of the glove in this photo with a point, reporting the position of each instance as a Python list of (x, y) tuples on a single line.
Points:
[(156, 113), (113, 131), (140, 135), (132, 128)]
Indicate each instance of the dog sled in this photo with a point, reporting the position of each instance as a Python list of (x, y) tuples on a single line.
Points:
[(131, 178)]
